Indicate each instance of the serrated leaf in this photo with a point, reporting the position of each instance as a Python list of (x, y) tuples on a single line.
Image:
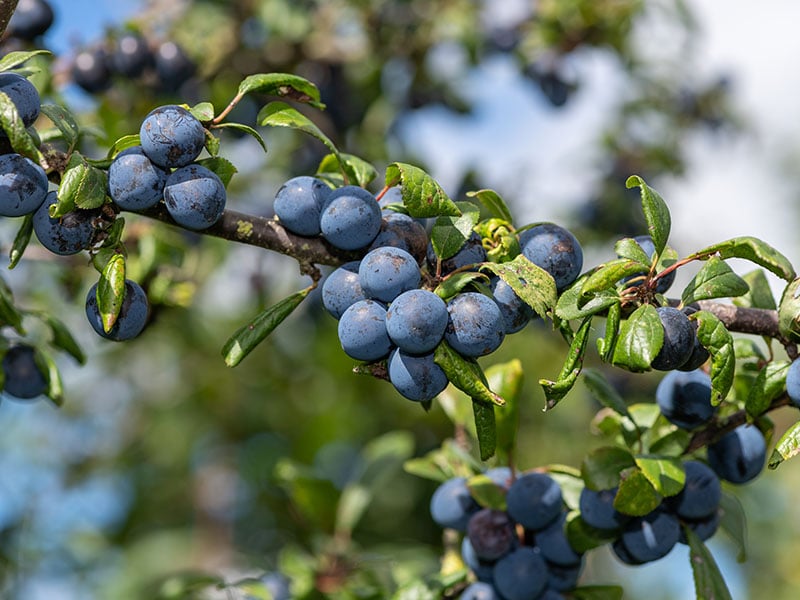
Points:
[(597, 592), (606, 277), (787, 447), (607, 343), (111, 291), (359, 171), (16, 58), (223, 168), (82, 186), (571, 305), (244, 129), (20, 241), (449, 234), (535, 286), (601, 468), (494, 204), (603, 391), (286, 85), (466, 374), (506, 379), (242, 342), (554, 391), (708, 581), (665, 474), (636, 496), (486, 492), (485, 428), (422, 195), (10, 121), (754, 250), (203, 111), (656, 213), (759, 294), (456, 282), (714, 280), (734, 522), (715, 338), (641, 336), (770, 383), (64, 121), (123, 143)]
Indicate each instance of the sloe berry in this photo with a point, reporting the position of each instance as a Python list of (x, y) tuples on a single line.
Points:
[(471, 253), (554, 545), (452, 505), (684, 398), (651, 537), (171, 136), (597, 509), (23, 185), (132, 315), (362, 331), (479, 591), (417, 378), (298, 204), (416, 321), (23, 94), (516, 312), (134, 181), (351, 218), (23, 377), (739, 455), (521, 574), (491, 533), (534, 500), (700, 495), (31, 19), (131, 55), (401, 231), (173, 66), (195, 196), (554, 249), (679, 338), (793, 382), (475, 326), (90, 70), (387, 272), (341, 289), (65, 235)]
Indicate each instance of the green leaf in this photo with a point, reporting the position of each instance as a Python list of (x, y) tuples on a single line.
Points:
[(359, 171), (673, 443), (714, 280), (636, 496), (466, 374), (123, 143), (554, 391), (485, 428), (16, 58), (506, 379), (603, 391), (64, 121), (571, 305), (212, 143), (82, 186), (244, 129), (656, 213), (607, 343), (21, 241), (601, 468), (282, 84), (61, 337), (597, 592), (569, 480), (450, 233), (760, 293), (443, 463), (111, 291), (787, 447), (494, 204), (789, 312), (486, 492), (606, 277), (708, 581), (21, 141), (641, 336), (734, 522), (665, 474), (242, 342), (752, 249), (203, 111), (223, 168), (770, 384), (453, 284), (629, 248), (55, 385), (583, 537), (535, 286), (9, 314), (422, 196), (715, 338)]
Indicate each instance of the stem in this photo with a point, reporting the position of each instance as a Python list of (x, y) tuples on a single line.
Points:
[(7, 8), (218, 119)]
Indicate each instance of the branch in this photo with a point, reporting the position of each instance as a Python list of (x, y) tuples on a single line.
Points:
[(757, 321), (7, 8)]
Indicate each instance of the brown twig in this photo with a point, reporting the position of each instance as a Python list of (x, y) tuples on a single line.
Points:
[(7, 8)]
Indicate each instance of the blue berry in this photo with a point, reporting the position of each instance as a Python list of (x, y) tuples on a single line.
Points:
[(298, 204), (555, 250), (23, 94), (475, 327), (416, 321), (195, 197), (132, 316), (90, 70), (684, 398), (131, 55), (483, 569), (521, 575), (387, 272), (173, 66), (554, 545), (417, 378), (699, 354), (134, 182), (471, 253), (30, 19), (479, 591), (703, 528), (24, 378), (491, 533), (23, 185), (65, 235), (739, 455), (362, 331), (516, 312), (171, 136), (701, 494), (278, 585), (341, 289), (561, 579), (597, 509), (679, 339), (351, 218), (651, 537), (451, 504), (534, 500), (793, 382), (401, 231)]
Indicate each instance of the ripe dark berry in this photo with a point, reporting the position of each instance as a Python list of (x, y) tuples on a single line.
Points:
[(483, 569), (195, 197), (351, 218), (132, 316), (362, 331), (23, 94), (651, 537), (739, 455), (31, 19), (416, 321), (685, 398), (479, 591), (679, 339), (298, 204), (471, 253), (451, 504), (516, 312), (701, 494), (134, 182), (23, 377), (597, 509), (90, 70), (341, 289), (534, 500), (131, 55), (793, 382), (554, 545), (171, 136), (173, 66), (475, 327), (417, 378), (555, 250), (401, 231), (65, 235), (521, 575), (491, 533), (23, 185), (387, 272)]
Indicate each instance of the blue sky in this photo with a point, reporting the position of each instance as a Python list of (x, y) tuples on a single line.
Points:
[(83, 21)]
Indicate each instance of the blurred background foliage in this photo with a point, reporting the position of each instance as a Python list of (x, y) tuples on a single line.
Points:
[(166, 473)]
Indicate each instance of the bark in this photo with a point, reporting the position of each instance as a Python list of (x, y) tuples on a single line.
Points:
[(7, 8)]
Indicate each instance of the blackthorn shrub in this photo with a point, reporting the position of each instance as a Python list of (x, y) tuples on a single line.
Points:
[(341, 288), (351, 218), (739, 455), (416, 377), (452, 505), (134, 181), (646, 243), (64, 235), (679, 339), (387, 272), (23, 185), (195, 197), (416, 321), (171, 136), (684, 398), (132, 315), (534, 500), (298, 204), (554, 249), (23, 94), (362, 331), (475, 327), (24, 378)]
